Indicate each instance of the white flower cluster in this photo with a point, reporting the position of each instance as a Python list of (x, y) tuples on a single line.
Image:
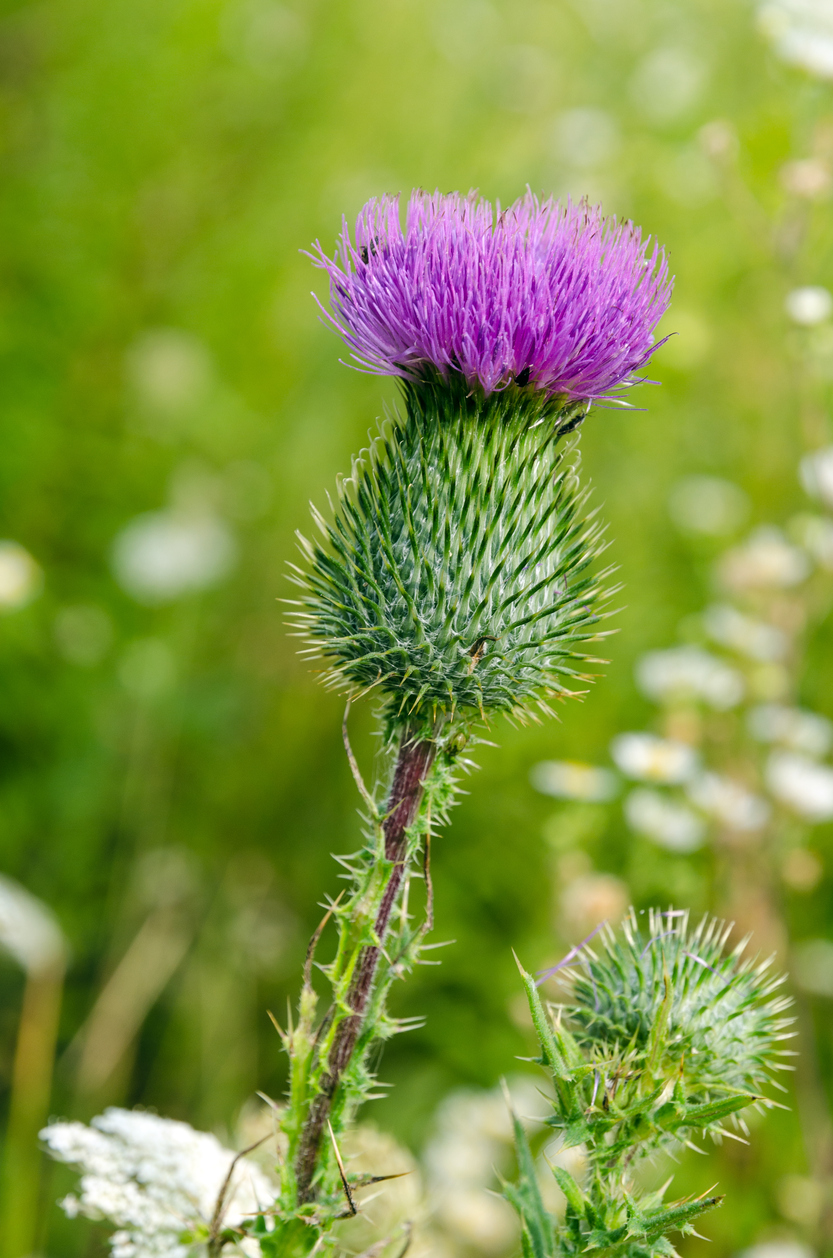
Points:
[(743, 661), (156, 1180), (801, 32)]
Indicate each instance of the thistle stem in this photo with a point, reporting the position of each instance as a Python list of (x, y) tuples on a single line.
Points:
[(413, 763)]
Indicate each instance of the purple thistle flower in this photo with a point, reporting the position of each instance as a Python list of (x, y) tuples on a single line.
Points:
[(544, 293)]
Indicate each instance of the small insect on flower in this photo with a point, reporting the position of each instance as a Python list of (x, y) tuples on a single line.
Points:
[(544, 294)]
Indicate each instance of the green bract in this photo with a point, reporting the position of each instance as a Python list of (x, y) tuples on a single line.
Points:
[(455, 572)]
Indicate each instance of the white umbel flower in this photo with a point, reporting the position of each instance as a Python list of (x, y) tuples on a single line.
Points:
[(765, 561), (157, 1180), (28, 929), (570, 779), (748, 636), (817, 474), (810, 305), (164, 555)]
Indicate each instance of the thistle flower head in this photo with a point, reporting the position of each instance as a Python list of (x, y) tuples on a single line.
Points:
[(546, 294), (719, 1016)]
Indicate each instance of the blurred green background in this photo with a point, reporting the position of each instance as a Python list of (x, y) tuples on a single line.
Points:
[(172, 780)]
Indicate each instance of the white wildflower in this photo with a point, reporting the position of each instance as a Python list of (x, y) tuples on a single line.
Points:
[(817, 475), (472, 1139), (785, 1247), (688, 672), (744, 634), (570, 779), (801, 32), (651, 759), (801, 784), (666, 822), (157, 1180), (28, 929), (766, 560), (20, 577), (791, 727), (810, 305), (729, 802), (166, 554), (815, 534)]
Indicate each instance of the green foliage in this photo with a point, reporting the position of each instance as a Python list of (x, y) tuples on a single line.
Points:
[(649, 1053), (455, 574)]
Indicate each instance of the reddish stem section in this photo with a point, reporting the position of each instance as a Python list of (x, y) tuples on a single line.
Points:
[(412, 765)]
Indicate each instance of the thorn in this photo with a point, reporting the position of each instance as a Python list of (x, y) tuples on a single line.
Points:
[(278, 1028), (351, 1203), (273, 1105), (429, 885), (313, 943), (354, 768)]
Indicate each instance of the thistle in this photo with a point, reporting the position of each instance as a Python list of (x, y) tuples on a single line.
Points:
[(454, 575), (663, 1039)]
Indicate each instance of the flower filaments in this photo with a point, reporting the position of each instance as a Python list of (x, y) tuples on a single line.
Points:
[(545, 294)]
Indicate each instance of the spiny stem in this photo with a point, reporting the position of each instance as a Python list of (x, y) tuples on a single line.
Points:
[(413, 763)]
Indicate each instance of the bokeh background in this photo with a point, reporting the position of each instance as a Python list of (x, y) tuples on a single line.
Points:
[(172, 779)]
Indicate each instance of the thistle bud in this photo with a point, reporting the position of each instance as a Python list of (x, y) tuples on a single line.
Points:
[(665, 1036)]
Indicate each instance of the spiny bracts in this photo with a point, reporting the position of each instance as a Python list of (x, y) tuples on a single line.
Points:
[(455, 572), (721, 1015)]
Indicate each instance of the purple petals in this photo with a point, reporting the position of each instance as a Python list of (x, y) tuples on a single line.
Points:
[(544, 294)]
